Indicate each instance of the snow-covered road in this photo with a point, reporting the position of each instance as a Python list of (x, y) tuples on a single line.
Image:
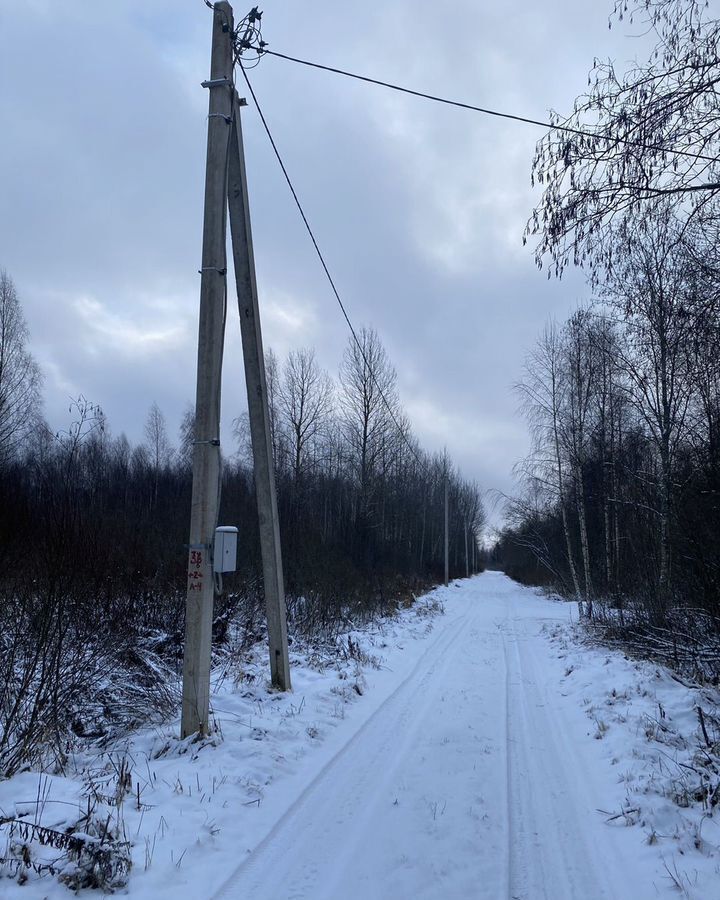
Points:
[(475, 777), (488, 752)]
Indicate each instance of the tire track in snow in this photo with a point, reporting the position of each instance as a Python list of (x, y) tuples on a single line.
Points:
[(292, 863), (550, 812), (512, 819)]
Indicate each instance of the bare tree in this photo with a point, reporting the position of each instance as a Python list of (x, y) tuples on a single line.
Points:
[(368, 401), (186, 439), (472, 517), (634, 140), (543, 394), (272, 379), (656, 290), (610, 400), (580, 364), (19, 375), (157, 444), (705, 361), (305, 398)]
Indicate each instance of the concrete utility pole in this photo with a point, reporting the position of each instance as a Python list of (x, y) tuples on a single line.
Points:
[(467, 558), (244, 262), (447, 540), (206, 452)]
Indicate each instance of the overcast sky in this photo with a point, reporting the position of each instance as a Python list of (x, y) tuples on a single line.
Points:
[(419, 208)]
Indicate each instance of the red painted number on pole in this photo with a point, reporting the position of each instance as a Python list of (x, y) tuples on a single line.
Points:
[(195, 572)]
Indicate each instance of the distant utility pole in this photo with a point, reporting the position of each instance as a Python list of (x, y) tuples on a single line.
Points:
[(206, 451), (247, 294), (447, 540), (467, 558)]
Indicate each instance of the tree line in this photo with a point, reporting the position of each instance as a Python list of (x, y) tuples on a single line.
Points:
[(618, 499), (93, 530), (622, 400)]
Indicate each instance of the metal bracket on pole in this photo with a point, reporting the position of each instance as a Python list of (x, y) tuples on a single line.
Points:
[(217, 82)]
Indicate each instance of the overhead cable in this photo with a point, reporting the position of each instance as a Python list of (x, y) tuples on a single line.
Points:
[(490, 112)]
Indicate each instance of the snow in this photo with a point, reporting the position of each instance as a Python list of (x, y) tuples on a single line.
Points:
[(489, 751)]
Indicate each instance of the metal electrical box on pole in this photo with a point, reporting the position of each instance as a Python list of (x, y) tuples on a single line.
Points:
[(206, 451), (225, 550)]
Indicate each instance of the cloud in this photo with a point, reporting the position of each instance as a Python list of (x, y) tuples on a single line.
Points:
[(418, 208), (127, 337), (289, 321)]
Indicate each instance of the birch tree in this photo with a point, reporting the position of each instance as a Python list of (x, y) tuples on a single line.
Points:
[(305, 400), (609, 403), (368, 401), (579, 365), (543, 394), (658, 294), (157, 444), (19, 375)]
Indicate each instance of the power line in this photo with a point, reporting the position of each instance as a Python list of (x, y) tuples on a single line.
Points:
[(488, 112), (325, 268), (261, 48)]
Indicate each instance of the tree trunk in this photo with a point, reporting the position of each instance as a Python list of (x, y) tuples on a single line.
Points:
[(585, 549)]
